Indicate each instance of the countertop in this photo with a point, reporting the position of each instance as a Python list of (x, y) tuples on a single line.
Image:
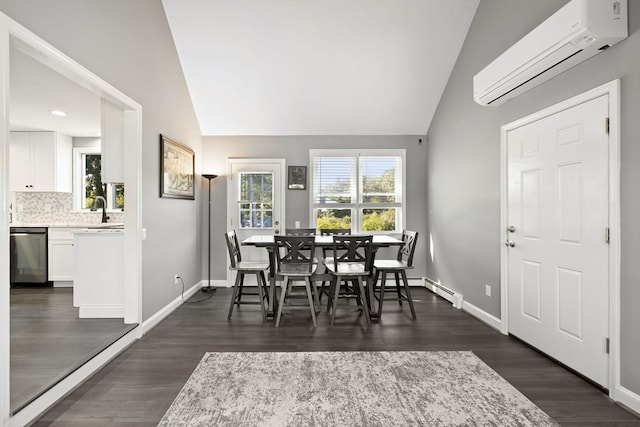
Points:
[(108, 225)]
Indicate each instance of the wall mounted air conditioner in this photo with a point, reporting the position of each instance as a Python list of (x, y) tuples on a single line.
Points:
[(581, 29)]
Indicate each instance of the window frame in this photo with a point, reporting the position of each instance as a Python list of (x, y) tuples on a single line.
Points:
[(357, 207), (78, 181)]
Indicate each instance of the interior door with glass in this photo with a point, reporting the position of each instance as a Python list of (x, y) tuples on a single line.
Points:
[(255, 204)]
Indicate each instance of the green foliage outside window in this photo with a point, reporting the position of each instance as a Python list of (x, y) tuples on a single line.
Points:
[(93, 186), (93, 179)]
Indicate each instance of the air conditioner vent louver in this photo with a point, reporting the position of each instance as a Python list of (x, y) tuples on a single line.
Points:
[(565, 39)]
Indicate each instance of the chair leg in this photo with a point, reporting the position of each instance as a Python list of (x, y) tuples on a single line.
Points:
[(330, 294), (234, 295), (383, 283), (365, 308), (316, 299), (406, 289), (310, 297), (259, 279), (265, 287), (241, 288), (283, 295), (398, 289), (334, 301)]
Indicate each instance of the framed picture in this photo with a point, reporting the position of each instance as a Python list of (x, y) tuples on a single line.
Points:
[(297, 177), (176, 170)]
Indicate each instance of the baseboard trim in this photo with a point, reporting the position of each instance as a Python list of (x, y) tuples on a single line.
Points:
[(216, 284), (482, 315), (71, 382), (161, 314), (628, 398)]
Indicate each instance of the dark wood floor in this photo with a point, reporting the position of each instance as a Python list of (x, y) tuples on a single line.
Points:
[(137, 387), (48, 340)]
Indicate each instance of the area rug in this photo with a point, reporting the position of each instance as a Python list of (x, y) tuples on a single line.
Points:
[(412, 388)]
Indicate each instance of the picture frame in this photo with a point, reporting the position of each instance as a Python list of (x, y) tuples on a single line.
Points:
[(177, 170), (297, 177)]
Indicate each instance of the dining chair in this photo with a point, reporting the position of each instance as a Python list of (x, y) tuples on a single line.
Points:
[(352, 260), (295, 263), (243, 268), (300, 231), (326, 253), (398, 267)]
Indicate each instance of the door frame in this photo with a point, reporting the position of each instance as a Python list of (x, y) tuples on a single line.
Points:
[(283, 199), (612, 89), (13, 32)]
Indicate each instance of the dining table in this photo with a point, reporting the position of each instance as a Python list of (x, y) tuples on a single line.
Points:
[(267, 241)]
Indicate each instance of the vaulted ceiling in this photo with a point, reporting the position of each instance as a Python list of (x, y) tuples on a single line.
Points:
[(317, 67)]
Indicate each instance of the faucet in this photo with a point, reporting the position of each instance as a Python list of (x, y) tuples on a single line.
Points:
[(104, 208)]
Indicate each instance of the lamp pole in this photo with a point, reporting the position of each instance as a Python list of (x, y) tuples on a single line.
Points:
[(209, 288)]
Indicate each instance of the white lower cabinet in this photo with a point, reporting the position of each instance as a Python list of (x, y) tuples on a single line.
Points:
[(61, 255), (98, 287)]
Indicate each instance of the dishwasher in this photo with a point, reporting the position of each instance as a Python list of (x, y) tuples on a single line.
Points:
[(28, 247)]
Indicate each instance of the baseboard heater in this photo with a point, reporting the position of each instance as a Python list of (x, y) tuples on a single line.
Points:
[(453, 297)]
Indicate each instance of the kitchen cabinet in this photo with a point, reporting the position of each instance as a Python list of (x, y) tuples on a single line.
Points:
[(40, 161), (61, 255), (98, 285)]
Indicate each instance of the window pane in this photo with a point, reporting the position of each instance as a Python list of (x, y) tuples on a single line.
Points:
[(118, 195), (334, 179), (333, 218), (379, 179), (256, 193), (92, 178), (379, 219)]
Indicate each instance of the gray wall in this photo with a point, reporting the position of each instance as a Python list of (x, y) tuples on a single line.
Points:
[(464, 160), (295, 149), (129, 44)]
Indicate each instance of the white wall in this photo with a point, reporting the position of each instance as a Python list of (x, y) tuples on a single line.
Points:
[(464, 160), (129, 44)]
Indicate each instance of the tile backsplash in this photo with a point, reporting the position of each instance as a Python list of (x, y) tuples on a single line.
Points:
[(54, 208)]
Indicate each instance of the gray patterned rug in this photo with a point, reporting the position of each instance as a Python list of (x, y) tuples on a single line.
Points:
[(412, 388)]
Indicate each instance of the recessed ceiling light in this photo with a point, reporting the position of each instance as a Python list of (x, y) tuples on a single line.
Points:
[(58, 113)]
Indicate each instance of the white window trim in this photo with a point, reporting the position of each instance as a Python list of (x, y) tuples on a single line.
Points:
[(355, 221)]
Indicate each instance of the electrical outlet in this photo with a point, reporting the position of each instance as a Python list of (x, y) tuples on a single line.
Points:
[(175, 279), (487, 290)]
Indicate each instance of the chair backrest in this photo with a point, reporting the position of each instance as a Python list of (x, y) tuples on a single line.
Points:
[(300, 231), (353, 248), (294, 253), (409, 240), (335, 231), (233, 247)]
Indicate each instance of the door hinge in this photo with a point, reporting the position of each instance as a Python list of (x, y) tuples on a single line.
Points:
[(606, 345), (607, 235), (606, 125)]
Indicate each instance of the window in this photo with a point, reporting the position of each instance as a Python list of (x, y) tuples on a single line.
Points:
[(87, 181), (256, 200), (358, 189)]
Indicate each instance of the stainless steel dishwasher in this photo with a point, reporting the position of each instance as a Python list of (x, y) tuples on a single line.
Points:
[(28, 246)]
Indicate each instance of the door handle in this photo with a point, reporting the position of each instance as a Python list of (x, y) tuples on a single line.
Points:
[(510, 243), (511, 229)]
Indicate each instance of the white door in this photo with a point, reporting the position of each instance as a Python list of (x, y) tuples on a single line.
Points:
[(255, 204), (558, 259)]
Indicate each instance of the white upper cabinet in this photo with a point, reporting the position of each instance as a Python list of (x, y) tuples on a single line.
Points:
[(40, 161)]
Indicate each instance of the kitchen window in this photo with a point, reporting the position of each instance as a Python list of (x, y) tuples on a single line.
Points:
[(87, 181), (358, 189)]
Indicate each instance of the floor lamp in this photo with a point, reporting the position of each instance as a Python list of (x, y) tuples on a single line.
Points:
[(209, 288)]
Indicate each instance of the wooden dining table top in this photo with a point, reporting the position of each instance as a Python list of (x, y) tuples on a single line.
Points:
[(267, 240)]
